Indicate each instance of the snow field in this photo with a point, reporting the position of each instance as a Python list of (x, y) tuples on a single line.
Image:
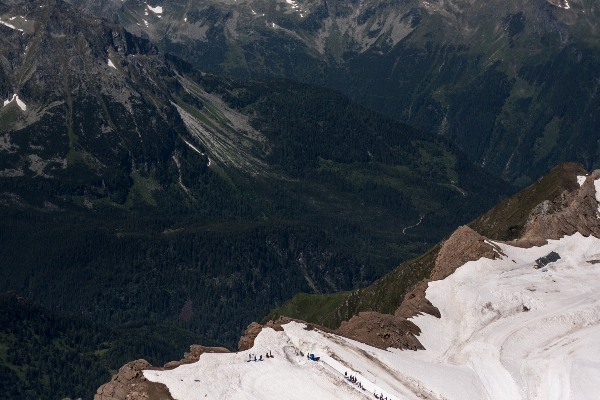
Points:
[(230, 376), (507, 331), (519, 329)]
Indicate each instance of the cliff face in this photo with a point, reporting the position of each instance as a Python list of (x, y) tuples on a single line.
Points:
[(572, 212), (129, 383)]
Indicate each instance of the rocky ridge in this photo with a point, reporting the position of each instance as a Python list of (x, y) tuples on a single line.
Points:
[(449, 55), (384, 330), (569, 213), (130, 384)]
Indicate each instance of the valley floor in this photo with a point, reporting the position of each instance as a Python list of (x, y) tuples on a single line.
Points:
[(507, 331)]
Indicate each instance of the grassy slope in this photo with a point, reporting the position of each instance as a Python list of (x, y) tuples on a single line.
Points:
[(505, 221)]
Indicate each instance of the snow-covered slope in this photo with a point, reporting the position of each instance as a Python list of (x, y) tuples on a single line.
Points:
[(507, 331)]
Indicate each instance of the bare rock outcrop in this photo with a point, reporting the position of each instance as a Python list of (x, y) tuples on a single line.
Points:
[(193, 355), (247, 340), (569, 213), (130, 384), (382, 331), (462, 246), (415, 303)]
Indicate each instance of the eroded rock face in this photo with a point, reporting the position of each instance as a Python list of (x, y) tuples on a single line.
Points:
[(247, 341), (462, 246), (130, 384), (194, 354), (569, 213), (382, 331), (415, 303)]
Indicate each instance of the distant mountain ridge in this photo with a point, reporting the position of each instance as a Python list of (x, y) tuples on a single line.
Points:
[(514, 84)]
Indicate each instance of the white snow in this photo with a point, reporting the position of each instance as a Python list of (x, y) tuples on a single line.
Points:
[(193, 147), (7, 24), (156, 10), (110, 64), (20, 103), (508, 331), (198, 151), (294, 5), (581, 179), (145, 22)]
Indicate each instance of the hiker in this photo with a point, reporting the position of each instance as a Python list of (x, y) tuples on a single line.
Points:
[(271, 354), (260, 359), (346, 374)]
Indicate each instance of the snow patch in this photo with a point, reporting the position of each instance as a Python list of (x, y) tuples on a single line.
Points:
[(156, 10), (110, 64), (20, 103), (8, 25), (193, 147), (581, 179), (294, 5), (145, 22)]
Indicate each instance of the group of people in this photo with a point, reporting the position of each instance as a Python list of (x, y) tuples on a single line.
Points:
[(352, 379), (380, 397), (252, 356)]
